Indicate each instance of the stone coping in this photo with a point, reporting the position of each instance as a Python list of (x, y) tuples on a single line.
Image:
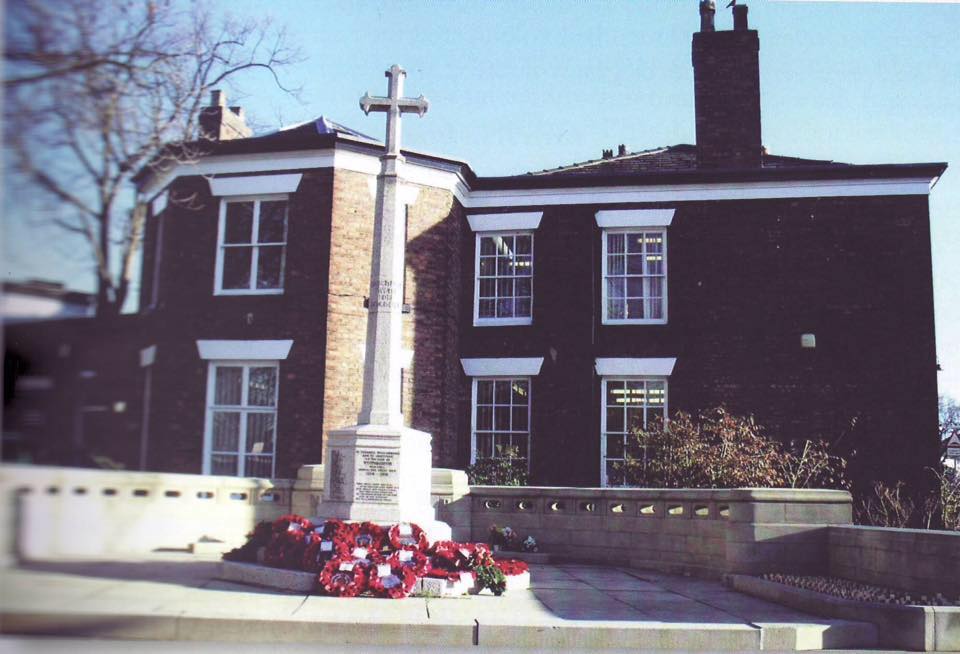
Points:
[(919, 628), (792, 495)]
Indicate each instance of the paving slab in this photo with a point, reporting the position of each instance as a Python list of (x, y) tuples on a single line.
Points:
[(170, 596)]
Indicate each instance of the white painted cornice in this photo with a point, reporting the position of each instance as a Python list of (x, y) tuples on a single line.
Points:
[(502, 367), (652, 367), (245, 350), (417, 173)]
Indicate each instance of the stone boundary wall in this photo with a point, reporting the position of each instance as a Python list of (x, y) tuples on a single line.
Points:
[(749, 531), (909, 559), (50, 512)]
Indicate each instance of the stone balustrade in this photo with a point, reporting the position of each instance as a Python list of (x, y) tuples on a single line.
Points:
[(708, 532), (65, 512)]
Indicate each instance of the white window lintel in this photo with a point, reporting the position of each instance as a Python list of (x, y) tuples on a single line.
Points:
[(255, 184), (503, 222), (640, 367), (502, 367), (244, 350), (634, 218)]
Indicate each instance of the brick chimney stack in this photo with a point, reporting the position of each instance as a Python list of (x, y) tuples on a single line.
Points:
[(726, 83), (218, 122)]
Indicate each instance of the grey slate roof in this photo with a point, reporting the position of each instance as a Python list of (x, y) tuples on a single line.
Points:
[(664, 159)]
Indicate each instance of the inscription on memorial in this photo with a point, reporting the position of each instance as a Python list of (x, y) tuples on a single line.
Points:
[(336, 475), (377, 476), (384, 294)]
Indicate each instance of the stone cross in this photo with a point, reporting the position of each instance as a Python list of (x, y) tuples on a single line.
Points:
[(394, 105), (381, 371)]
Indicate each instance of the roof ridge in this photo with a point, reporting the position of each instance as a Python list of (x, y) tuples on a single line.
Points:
[(619, 157)]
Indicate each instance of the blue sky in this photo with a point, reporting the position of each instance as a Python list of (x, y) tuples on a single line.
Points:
[(528, 85)]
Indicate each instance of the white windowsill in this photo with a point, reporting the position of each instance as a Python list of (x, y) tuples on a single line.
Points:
[(244, 291), (501, 322), (634, 322)]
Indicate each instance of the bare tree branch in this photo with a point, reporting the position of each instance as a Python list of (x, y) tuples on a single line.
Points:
[(98, 89)]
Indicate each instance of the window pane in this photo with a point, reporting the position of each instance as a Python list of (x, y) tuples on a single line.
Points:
[(270, 267), (654, 286), (484, 446), (502, 392), (634, 286), (500, 444), (615, 243), (635, 243), (501, 418), (226, 431), (505, 245), (223, 464), (505, 308), (239, 223), (615, 264), (484, 418), (634, 418), (228, 386), (614, 473), (260, 433), (654, 308), (524, 244), (519, 418), (504, 288), (614, 419), (488, 266), (616, 309), (487, 309), (636, 393), (521, 308), (523, 287), (504, 266), (635, 309), (654, 264), (654, 243), (521, 392), (236, 267), (484, 392), (523, 266), (520, 442), (635, 264), (614, 446), (263, 387), (488, 288), (272, 219), (614, 393), (259, 466)]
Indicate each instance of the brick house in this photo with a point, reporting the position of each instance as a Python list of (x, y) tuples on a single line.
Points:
[(548, 311)]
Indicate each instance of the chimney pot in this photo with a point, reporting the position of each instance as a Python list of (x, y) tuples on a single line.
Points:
[(740, 18), (621, 150), (708, 10), (218, 98), (608, 154), (218, 122)]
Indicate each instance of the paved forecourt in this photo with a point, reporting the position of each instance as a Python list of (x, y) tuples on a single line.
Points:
[(173, 596)]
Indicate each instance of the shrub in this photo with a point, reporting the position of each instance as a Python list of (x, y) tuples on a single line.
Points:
[(507, 469), (717, 449)]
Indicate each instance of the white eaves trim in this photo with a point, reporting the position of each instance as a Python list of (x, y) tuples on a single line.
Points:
[(255, 184), (245, 350), (654, 367), (454, 182), (503, 222), (495, 367), (635, 218)]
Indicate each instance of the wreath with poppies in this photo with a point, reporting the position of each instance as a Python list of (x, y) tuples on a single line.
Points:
[(353, 558), (391, 579), (343, 577)]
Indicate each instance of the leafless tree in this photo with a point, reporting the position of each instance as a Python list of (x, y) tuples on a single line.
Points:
[(949, 417), (96, 89)]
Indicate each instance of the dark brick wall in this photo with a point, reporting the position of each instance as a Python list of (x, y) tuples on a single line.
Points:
[(187, 311), (726, 82), (745, 280)]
